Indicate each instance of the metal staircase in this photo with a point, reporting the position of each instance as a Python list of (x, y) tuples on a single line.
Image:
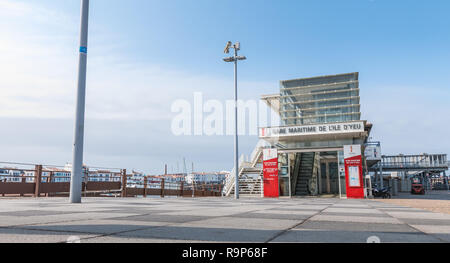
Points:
[(250, 183), (304, 170), (250, 174)]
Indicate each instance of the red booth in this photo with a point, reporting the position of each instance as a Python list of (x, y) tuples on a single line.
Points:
[(270, 166), (354, 171)]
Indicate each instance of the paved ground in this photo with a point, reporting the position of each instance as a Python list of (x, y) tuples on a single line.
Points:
[(217, 220), (434, 201)]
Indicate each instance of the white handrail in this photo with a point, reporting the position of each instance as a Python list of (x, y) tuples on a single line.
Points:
[(231, 177), (252, 162)]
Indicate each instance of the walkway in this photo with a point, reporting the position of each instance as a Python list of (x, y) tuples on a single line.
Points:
[(217, 220)]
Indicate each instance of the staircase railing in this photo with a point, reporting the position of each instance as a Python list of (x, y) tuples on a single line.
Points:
[(254, 157), (231, 178), (256, 154)]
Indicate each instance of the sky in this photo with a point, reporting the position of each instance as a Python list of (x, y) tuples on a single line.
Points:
[(146, 54)]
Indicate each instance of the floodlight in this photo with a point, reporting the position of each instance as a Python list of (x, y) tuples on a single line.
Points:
[(227, 48), (229, 59), (237, 46)]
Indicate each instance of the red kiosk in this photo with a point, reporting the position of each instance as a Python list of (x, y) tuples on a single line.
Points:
[(270, 166), (354, 171)]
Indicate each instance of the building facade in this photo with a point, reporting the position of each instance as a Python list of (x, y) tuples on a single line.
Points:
[(11, 175), (319, 116), (207, 178)]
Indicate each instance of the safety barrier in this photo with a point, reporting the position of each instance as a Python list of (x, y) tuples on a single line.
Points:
[(52, 181)]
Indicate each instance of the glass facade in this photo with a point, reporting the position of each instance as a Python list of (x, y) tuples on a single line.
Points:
[(313, 164), (318, 100)]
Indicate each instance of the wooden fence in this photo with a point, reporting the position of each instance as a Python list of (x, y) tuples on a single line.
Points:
[(40, 185)]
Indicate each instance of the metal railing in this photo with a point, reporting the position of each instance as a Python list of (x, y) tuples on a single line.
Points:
[(243, 164), (411, 162), (229, 183)]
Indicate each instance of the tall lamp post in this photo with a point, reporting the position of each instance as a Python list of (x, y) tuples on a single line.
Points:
[(77, 164), (235, 59)]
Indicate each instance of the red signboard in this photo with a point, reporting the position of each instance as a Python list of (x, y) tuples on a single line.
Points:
[(354, 171), (270, 166)]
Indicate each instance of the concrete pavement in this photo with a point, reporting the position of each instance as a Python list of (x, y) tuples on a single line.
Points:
[(217, 220)]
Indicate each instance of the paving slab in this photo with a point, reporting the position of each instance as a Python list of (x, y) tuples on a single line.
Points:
[(94, 226), (324, 236), (357, 219), (10, 221), (162, 218), (357, 227), (273, 215), (13, 235), (419, 215), (203, 234), (187, 220), (439, 231), (145, 240), (352, 210), (244, 223)]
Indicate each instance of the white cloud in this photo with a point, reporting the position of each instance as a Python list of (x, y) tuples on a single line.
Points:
[(10, 9), (130, 102), (39, 74)]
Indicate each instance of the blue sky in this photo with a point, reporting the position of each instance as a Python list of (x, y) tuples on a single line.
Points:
[(145, 54)]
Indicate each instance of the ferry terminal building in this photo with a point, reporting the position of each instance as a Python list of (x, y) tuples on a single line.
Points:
[(319, 116), (321, 146)]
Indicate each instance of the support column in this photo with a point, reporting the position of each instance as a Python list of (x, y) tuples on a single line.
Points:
[(124, 183), (446, 180), (381, 175), (162, 187), (38, 179), (145, 186), (327, 172), (319, 178), (49, 180)]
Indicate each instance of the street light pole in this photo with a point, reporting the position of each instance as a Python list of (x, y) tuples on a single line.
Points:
[(235, 59), (77, 164), (236, 140)]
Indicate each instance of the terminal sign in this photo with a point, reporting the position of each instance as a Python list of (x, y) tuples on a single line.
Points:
[(270, 166), (373, 152), (354, 171), (320, 129)]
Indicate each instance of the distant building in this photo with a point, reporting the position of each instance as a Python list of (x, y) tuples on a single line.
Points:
[(135, 180), (209, 178), (57, 175), (11, 175), (103, 176), (174, 178)]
